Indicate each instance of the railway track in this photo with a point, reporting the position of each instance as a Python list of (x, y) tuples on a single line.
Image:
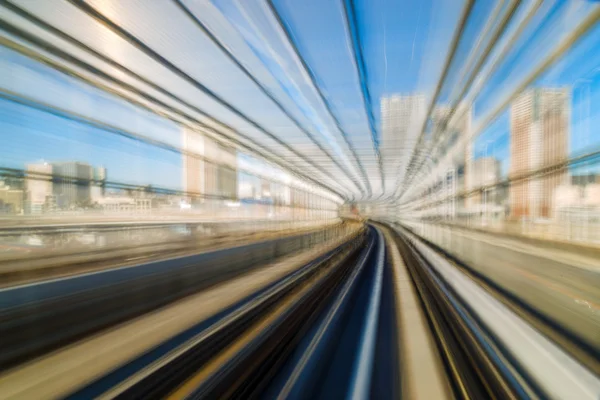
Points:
[(333, 329)]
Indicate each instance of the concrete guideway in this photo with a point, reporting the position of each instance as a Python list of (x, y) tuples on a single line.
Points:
[(569, 254), (423, 373), (550, 370), (556, 291)]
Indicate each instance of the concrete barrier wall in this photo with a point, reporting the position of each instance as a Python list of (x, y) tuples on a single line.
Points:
[(34, 318)]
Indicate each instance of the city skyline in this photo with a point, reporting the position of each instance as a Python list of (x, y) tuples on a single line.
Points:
[(539, 137), (138, 163)]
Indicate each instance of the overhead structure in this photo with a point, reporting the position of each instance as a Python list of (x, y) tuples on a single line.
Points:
[(367, 100)]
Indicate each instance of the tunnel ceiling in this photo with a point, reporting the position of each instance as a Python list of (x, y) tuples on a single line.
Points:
[(357, 95)]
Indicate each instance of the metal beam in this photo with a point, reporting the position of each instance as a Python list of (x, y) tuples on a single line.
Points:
[(574, 36), (65, 56), (496, 35), (223, 48), (361, 71), (500, 57), (115, 130), (137, 43), (311, 74), (466, 12)]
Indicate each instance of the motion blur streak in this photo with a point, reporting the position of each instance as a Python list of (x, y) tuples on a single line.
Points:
[(284, 199)]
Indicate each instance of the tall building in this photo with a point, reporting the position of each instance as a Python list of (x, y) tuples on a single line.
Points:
[(38, 187), (439, 116), (591, 196), (100, 177), (246, 189), (539, 126), (280, 193), (98, 189), (220, 180), (586, 179), (469, 184), (206, 178), (227, 180), (486, 171), (448, 132), (265, 188), (193, 167), (11, 199), (401, 119), (74, 188)]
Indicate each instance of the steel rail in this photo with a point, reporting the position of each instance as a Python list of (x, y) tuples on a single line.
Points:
[(313, 79), (290, 338), (287, 360), (223, 48), (580, 348), (302, 378), (455, 353), (207, 357), (360, 384), (215, 133), (418, 356), (244, 372), (498, 375), (476, 369), (205, 338)]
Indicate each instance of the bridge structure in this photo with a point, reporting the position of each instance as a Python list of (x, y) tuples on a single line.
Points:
[(362, 199)]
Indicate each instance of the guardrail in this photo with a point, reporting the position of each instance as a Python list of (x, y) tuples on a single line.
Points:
[(557, 289), (209, 225), (56, 240), (525, 362)]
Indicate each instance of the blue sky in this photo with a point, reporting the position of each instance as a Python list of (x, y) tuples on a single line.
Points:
[(404, 44)]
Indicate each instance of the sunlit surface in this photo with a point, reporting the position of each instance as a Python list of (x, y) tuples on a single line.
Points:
[(300, 199)]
